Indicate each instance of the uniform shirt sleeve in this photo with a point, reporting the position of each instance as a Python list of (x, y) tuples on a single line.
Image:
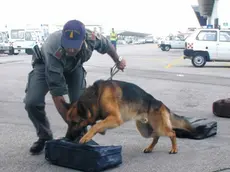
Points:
[(102, 44)]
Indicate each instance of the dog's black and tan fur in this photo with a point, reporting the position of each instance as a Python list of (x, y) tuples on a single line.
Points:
[(113, 102)]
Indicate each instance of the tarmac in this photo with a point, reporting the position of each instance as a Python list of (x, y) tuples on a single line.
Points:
[(186, 90)]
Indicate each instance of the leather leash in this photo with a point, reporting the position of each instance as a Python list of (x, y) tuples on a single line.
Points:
[(113, 71)]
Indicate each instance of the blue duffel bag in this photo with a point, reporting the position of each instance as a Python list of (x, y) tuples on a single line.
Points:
[(89, 157)]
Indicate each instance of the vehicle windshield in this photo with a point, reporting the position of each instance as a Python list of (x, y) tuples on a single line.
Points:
[(178, 38), (30, 36), (190, 35), (187, 35), (4, 36), (18, 34)]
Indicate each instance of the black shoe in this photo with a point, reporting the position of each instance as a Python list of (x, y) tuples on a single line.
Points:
[(38, 146)]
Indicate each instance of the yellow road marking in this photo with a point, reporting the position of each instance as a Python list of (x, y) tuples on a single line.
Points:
[(176, 61), (227, 64)]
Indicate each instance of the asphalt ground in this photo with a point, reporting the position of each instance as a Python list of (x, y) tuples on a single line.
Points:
[(186, 90)]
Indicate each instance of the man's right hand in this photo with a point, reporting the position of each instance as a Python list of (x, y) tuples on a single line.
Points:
[(121, 65), (60, 102)]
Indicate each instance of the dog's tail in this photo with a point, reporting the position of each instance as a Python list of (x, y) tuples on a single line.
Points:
[(180, 122), (177, 122)]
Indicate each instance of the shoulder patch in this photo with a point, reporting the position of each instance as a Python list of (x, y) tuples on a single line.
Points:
[(91, 36), (59, 53), (98, 36)]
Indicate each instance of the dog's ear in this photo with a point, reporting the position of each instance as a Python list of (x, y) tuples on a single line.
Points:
[(83, 111)]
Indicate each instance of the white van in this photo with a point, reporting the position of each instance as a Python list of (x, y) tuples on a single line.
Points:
[(208, 45), (22, 40)]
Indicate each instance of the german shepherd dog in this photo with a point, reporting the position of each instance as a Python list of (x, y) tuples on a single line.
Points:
[(108, 104)]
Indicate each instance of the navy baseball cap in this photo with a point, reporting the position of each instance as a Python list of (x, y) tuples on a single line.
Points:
[(73, 34)]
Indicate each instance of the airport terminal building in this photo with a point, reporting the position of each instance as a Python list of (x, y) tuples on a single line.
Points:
[(213, 13)]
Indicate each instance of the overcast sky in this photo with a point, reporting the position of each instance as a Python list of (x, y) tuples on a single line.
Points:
[(152, 16)]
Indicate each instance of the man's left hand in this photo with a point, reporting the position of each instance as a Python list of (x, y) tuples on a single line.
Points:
[(121, 65)]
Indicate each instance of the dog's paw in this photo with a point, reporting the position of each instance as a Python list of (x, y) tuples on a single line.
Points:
[(85, 139), (147, 150), (173, 151)]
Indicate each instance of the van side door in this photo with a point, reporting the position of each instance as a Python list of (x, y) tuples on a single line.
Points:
[(223, 46)]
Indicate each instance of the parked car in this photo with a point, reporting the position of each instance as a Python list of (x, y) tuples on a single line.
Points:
[(174, 43), (149, 40), (121, 42)]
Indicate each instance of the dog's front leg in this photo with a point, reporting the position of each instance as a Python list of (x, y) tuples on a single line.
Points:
[(108, 123)]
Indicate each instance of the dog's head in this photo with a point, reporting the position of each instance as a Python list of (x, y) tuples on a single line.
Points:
[(78, 116)]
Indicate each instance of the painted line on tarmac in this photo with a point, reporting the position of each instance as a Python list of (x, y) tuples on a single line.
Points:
[(10, 61), (150, 58), (176, 61)]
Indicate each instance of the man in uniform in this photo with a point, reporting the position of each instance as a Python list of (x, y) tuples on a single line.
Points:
[(60, 71)]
